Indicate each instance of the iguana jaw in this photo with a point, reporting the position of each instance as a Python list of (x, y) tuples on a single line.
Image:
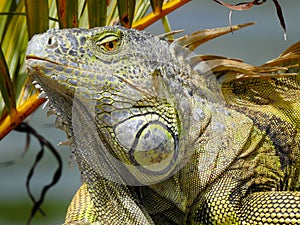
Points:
[(57, 99), (61, 96)]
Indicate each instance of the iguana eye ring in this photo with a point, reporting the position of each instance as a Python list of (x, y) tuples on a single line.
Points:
[(109, 43)]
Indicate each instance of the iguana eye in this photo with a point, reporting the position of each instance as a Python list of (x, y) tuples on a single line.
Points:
[(109, 43)]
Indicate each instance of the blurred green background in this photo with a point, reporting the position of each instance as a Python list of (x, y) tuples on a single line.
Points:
[(254, 45)]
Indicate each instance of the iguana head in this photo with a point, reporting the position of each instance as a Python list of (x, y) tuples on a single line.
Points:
[(130, 99), (120, 77)]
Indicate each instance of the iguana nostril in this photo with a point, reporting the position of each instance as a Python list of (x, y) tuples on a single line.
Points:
[(51, 41)]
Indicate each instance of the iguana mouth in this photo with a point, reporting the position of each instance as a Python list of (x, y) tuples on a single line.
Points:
[(32, 57), (45, 83)]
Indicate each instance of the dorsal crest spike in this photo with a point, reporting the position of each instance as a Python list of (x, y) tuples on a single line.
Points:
[(163, 36), (197, 38)]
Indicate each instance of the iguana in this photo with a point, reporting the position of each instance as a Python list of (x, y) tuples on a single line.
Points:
[(164, 136)]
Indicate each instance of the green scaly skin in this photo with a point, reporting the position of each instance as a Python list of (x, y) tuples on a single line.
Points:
[(172, 150)]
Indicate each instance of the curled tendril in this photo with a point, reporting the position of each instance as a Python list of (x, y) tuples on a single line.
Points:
[(24, 127), (248, 5)]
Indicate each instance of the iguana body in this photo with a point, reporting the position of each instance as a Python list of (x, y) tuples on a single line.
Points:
[(155, 141)]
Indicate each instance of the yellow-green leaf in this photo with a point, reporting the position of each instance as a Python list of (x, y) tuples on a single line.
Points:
[(5, 5), (97, 10), (126, 12), (67, 11), (6, 85), (15, 40), (37, 15), (156, 5)]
